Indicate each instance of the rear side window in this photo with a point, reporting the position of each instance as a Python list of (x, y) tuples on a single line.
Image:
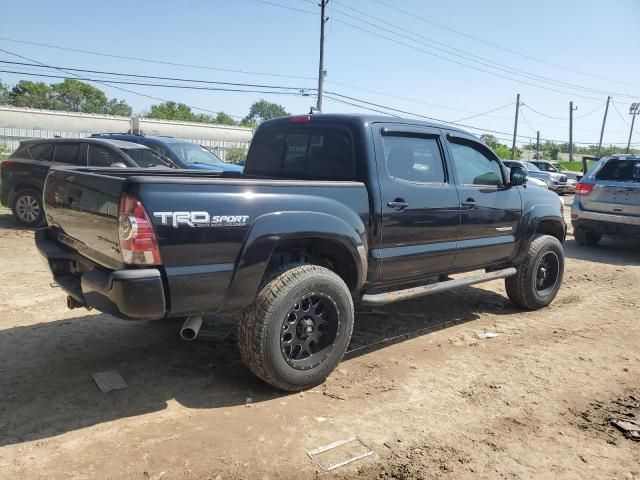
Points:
[(41, 151), (145, 157), (314, 153), (102, 157), (415, 159), (67, 153), (619, 171)]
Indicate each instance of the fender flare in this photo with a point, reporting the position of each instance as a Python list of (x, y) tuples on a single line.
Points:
[(270, 229), (531, 221)]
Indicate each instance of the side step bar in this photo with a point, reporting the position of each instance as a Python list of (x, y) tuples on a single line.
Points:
[(399, 295)]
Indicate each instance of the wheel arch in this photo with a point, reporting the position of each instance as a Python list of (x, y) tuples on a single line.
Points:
[(276, 239)]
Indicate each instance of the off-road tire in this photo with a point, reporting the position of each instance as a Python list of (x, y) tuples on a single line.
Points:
[(259, 330), (521, 287), (20, 201), (586, 238)]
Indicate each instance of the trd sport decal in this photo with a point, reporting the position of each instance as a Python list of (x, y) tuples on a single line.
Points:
[(201, 219)]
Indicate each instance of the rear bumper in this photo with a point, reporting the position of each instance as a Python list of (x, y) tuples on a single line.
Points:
[(609, 228), (130, 294)]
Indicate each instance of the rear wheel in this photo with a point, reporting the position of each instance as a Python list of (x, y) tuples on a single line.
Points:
[(539, 276), (27, 208), (298, 327), (583, 237)]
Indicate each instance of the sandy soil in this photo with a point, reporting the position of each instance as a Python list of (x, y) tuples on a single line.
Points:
[(438, 402)]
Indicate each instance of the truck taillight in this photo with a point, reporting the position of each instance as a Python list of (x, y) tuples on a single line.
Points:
[(138, 241), (6, 164), (583, 188)]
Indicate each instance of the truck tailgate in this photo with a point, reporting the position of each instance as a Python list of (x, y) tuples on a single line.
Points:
[(83, 208)]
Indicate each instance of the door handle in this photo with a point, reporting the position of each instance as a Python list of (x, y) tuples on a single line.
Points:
[(469, 203), (398, 204)]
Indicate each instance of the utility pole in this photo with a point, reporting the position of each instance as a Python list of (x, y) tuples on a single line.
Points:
[(604, 121), (634, 110), (515, 129), (321, 72), (538, 144), (571, 109)]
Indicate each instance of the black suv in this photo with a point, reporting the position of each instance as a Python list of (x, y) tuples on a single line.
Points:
[(22, 174)]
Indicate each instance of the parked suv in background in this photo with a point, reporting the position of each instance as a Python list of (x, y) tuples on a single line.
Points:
[(184, 154), (558, 182), (555, 167), (608, 200), (22, 174)]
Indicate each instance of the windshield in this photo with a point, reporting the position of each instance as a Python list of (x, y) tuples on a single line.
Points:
[(144, 157), (193, 153), (532, 167)]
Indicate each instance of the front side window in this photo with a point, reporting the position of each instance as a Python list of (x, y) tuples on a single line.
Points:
[(415, 159), (67, 153), (474, 166), (102, 157)]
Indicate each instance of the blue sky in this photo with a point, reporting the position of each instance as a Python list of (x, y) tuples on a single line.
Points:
[(588, 36)]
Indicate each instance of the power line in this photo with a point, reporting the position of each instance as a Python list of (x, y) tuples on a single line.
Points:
[(484, 113), (615, 107), (589, 113), (160, 62), (135, 75), (543, 114), (460, 63), (405, 112), (111, 86), (162, 85), (515, 52), (465, 54)]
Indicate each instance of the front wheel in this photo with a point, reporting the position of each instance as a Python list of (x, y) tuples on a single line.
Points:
[(538, 279), (298, 327)]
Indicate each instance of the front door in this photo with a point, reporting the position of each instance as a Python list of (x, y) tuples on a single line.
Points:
[(420, 205), (490, 208)]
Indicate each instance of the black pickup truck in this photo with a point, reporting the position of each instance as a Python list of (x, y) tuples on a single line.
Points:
[(332, 211)]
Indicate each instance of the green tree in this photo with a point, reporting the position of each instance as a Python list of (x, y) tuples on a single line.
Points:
[(490, 140), (263, 110), (176, 111), (32, 95), (225, 119), (235, 155), (5, 94), (118, 107), (76, 96)]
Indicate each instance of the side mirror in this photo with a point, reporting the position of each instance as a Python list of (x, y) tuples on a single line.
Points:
[(118, 165), (517, 176)]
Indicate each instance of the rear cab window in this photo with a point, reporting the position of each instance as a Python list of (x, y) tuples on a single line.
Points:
[(41, 151), (302, 151)]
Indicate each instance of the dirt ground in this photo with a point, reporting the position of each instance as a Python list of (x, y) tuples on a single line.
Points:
[(438, 402)]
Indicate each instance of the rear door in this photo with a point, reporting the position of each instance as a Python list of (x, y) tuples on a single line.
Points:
[(490, 209), (616, 188), (420, 205)]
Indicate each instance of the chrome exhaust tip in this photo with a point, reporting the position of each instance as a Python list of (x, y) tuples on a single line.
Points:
[(191, 328)]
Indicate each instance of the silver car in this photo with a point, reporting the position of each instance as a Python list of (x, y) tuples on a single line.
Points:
[(558, 182), (607, 200)]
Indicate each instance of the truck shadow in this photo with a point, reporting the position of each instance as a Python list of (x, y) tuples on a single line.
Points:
[(45, 369), (7, 222), (608, 251)]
